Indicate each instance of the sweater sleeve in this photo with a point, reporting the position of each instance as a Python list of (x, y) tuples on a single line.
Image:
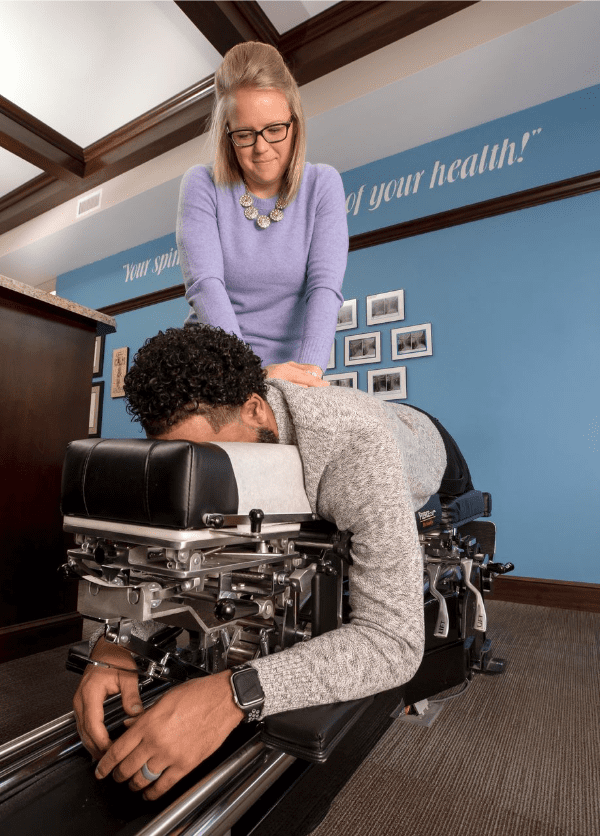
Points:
[(200, 251), (325, 269), (363, 489)]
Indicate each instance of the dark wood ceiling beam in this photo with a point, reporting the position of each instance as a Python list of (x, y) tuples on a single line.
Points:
[(32, 199), (181, 118), (32, 140), (352, 29), (248, 16), (226, 24)]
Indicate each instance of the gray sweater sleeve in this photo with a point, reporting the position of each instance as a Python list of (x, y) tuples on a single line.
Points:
[(364, 488)]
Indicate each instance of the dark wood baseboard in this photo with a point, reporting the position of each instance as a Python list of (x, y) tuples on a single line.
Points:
[(542, 592), (34, 636)]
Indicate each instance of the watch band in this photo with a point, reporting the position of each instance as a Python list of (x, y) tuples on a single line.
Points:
[(247, 691)]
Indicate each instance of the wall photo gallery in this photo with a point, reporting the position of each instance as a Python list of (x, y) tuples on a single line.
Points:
[(407, 342)]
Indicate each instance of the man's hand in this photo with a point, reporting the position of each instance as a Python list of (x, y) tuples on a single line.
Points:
[(96, 685), (301, 373), (173, 736)]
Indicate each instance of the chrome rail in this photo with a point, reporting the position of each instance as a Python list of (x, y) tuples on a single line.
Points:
[(248, 760), (230, 806), (23, 759)]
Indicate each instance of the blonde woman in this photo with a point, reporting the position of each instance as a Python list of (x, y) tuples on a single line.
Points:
[(262, 234)]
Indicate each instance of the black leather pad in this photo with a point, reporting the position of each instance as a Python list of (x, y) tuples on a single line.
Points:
[(170, 484), (453, 511), (312, 733), (462, 509)]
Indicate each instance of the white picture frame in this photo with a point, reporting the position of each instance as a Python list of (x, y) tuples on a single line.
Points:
[(385, 307), (411, 341), (331, 363), (347, 317), (362, 348), (387, 384), (349, 380)]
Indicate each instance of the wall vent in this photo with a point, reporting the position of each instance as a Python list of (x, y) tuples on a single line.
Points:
[(89, 203)]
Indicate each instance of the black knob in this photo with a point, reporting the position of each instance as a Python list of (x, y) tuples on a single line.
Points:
[(99, 555), (256, 518), (500, 568), (214, 520), (225, 609)]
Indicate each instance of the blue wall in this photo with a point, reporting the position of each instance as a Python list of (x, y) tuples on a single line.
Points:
[(144, 269), (513, 302), (133, 329)]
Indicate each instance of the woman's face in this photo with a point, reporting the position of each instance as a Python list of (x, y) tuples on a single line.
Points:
[(263, 164)]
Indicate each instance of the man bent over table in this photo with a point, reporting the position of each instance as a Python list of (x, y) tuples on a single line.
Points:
[(368, 466)]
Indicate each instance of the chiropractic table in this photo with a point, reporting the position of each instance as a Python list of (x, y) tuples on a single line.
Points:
[(217, 543)]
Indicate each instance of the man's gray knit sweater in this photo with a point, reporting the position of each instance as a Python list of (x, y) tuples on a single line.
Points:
[(368, 467)]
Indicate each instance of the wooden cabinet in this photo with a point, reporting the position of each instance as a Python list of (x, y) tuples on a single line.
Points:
[(46, 355)]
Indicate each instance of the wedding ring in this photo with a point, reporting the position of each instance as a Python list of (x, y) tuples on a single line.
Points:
[(149, 775)]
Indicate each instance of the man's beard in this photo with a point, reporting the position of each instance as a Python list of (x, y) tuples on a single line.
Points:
[(265, 436)]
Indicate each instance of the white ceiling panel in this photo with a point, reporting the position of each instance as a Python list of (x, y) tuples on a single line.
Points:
[(14, 172), (102, 63), (285, 14)]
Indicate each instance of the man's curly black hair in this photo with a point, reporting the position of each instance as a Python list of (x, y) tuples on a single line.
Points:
[(194, 370)]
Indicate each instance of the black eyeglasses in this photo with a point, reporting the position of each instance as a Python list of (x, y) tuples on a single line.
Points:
[(271, 134)]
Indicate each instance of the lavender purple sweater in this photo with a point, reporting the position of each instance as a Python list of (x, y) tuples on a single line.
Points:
[(279, 288)]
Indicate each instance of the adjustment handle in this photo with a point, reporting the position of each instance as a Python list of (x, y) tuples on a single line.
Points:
[(500, 568), (226, 609), (256, 518), (466, 565), (213, 520), (442, 623)]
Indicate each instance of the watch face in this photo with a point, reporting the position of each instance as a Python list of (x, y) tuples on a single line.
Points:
[(246, 685)]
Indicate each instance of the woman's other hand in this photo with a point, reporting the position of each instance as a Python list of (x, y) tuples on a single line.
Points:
[(303, 374)]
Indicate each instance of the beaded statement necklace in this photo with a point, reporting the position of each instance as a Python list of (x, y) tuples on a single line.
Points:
[(251, 212)]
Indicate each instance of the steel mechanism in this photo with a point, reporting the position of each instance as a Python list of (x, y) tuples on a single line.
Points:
[(237, 595)]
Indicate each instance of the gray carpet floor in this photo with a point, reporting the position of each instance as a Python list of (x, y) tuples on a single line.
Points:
[(515, 755), (35, 690)]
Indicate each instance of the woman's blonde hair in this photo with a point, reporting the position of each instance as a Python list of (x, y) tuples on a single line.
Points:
[(258, 65)]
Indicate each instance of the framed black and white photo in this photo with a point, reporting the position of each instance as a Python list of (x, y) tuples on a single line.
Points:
[(347, 316), (385, 307), (387, 384), (331, 363), (95, 422), (98, 356), (348, 380), (412, 341), (362, 348)]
